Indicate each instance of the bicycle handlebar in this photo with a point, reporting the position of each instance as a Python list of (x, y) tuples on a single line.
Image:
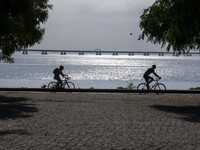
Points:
[(67, 78), (157, 79)]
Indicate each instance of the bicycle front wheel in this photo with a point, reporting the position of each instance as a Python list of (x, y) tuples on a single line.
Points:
[(160, 88), (142, 87), (52, 85), (69, 85)]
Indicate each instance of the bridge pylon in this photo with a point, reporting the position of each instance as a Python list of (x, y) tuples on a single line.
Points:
[(24, 52), (131, 54), (44, 52)]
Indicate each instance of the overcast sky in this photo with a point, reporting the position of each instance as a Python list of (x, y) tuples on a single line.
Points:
[(95, 24)]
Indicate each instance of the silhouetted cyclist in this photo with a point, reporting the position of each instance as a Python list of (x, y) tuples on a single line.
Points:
[(57, 72), (147, 76)]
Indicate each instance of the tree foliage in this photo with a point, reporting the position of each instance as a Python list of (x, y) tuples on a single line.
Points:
[(175, 23), (20, 25)]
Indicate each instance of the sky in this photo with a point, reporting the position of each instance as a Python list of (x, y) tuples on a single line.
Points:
[(95, 24)]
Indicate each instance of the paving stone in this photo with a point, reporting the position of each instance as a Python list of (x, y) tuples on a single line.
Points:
[(100, 121)]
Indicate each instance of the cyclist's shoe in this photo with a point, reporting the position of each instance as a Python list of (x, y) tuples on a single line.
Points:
[(61, 88), (148, 88)]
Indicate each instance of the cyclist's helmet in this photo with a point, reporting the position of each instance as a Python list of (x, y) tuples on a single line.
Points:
[(61, 67), (154, 66)]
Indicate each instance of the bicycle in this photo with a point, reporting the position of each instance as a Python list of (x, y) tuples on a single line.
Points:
[(66, 84), (157, 87)]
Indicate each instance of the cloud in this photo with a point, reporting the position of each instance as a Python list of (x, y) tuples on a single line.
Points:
[(91, 24), (99, 7)]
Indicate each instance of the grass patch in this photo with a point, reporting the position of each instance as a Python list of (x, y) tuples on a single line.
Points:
[(129, 87), (196, 88)]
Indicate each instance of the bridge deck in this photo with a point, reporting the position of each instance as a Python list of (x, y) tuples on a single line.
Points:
[(100, 52)]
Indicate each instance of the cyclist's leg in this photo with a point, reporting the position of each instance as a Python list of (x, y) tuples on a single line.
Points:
[(59, 81), (147, 81), (150, 79)]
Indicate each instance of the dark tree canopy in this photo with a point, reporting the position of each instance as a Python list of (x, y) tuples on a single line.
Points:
[(175, 23), (20, 22)]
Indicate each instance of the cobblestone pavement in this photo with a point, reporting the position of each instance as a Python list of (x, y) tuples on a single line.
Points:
[(99, 121)]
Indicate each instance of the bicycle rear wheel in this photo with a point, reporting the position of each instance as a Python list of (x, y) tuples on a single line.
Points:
[(160, 88), (52, 85), (69, 85), (142, 87)]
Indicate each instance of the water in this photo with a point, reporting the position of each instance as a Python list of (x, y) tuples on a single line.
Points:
[(105, 71)]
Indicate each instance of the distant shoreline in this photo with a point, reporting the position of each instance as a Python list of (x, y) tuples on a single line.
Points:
[(98, 91)]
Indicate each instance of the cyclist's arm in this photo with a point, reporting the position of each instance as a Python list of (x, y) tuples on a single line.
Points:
[(156, 75), (63, 75)]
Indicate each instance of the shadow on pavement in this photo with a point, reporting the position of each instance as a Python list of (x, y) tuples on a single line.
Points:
[(8, 132), (188, 113), (15, 107)]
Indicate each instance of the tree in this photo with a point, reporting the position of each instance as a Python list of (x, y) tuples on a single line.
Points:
[(175, 23), (20, 22)]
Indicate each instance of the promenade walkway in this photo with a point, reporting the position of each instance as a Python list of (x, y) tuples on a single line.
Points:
[(99, 121)]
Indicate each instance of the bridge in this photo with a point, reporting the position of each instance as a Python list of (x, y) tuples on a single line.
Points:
[(100, 52)]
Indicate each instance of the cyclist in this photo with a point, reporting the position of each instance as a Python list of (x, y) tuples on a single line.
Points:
[(57, 72), (147, 76)]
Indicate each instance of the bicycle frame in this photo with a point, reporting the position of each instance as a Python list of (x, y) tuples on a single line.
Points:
[(68, 84), (64, 82), (154, 85), (157, 86)]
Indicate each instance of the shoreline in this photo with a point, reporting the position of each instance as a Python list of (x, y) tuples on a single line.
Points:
[(91, 90), (97, 84)]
